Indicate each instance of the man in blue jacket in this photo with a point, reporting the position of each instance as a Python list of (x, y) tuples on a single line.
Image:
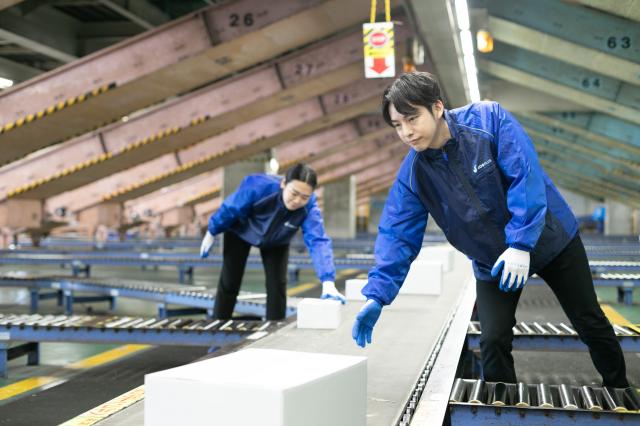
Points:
[(476, 172), (266, 212)]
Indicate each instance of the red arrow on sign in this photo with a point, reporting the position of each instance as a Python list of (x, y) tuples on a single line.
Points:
[(379, 65)]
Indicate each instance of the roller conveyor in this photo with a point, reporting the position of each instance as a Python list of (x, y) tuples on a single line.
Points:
[(112, 329), (185, 263), (478, 402), (164, 294), (555, 337)]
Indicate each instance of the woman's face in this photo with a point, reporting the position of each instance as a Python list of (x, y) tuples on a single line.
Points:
[(296, 194)]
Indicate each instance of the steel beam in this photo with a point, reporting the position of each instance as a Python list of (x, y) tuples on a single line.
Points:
[(197, 49), (580, 25), (547, 85)]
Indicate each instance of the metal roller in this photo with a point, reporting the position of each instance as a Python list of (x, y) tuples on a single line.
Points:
[(516, 330), (553, 328), (589, 399), (526, 329), (458, 391), (631, 399), (475, 395), (500, 394), (568, 329), (211, 325), (622, 330), (522, 395), (567, 398), (611, 400), (545, 400), (540, 328), (473, 328)]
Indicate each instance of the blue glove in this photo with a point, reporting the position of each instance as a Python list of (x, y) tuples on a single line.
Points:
[(514, 264), (366, 319)]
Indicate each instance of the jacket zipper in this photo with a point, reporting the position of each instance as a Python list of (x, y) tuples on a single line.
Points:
[(457, 170)]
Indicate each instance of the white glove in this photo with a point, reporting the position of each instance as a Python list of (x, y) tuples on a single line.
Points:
[(514, 264), (207, 242), (329, 291)]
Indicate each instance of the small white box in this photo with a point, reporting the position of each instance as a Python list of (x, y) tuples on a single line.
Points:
[(441, 253), (424, 277), (263, 387), (353, 289), (319, 313)]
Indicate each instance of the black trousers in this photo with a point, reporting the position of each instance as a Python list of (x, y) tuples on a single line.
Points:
[(569, 277), (274, 260)]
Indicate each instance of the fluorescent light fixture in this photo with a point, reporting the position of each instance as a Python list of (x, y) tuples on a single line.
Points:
[(5, 82), (467, 42), (274, 165), (462, 14), (470, 65)]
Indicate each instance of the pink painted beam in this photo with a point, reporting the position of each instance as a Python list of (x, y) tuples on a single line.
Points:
[(174, 195), (199, 48)]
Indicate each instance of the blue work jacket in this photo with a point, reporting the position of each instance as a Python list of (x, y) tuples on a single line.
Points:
[(256, 213), (484, 188)]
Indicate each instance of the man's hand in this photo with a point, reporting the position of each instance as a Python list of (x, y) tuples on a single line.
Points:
[(207, 242), (366, 319), (514, 264), (329, 291)]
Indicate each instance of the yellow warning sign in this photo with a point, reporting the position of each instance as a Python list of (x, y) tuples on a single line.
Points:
[(379, 50)]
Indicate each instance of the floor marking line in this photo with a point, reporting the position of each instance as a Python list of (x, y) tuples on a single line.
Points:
[(614, 316), (107, 409)]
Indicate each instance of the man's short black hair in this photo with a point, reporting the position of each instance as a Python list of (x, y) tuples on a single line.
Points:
[(303, 173), (409, 91)]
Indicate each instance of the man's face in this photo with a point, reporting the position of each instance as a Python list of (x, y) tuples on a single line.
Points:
[(296, 194), (418, 130)]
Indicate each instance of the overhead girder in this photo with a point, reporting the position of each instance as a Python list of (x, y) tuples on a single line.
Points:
[(593, 127), (389, 154), (344, 157), (598, 169), (615, 157), (629, 9), (552, 158), (558, 48), (563, 80), (572, 178), (51, 36), (192, 119), (175, 195), (325, 143), (197, 49), (569, 33), (195, 162)]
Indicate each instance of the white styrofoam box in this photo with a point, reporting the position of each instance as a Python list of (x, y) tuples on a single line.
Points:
[(265, 387), (440, 253), (424, 277), (319, 313), (353, 289)]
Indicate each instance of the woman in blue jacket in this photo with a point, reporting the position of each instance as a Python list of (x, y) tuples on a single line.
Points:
[(476, 172), (266, 212)]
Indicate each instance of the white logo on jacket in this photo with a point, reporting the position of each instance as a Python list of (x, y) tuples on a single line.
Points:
[(288, 225), (481, 166)]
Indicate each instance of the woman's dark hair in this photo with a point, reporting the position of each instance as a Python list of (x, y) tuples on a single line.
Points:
[(303, 173), (409, 91)]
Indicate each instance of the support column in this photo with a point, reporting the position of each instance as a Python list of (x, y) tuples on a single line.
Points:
[(233, 174), (580, 205), (339, 211), (100, 218), (376, 205), (618, 218)]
